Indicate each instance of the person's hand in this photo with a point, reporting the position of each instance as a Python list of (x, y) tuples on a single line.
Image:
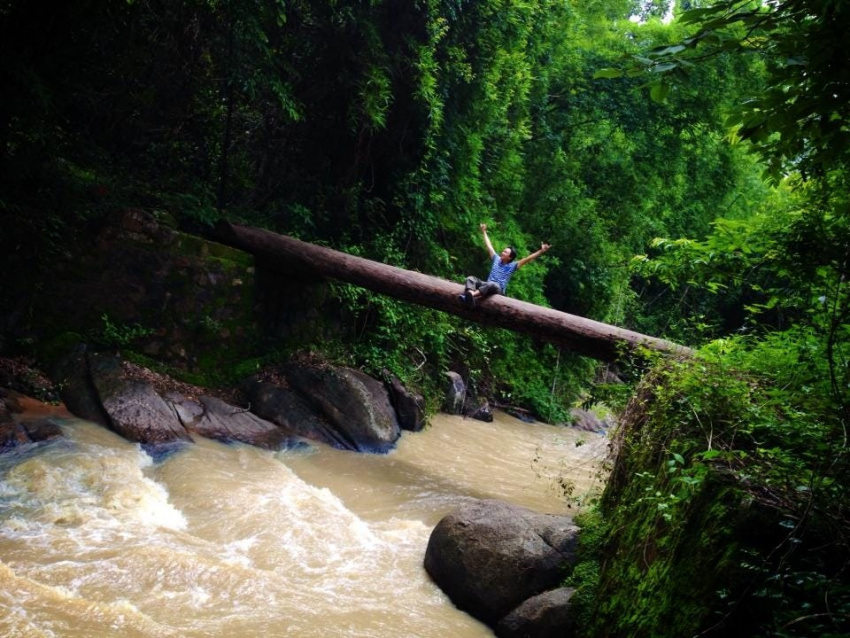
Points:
[(483, 228), (544, 247)]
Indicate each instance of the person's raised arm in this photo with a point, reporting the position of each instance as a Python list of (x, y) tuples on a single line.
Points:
[(522, 262), (487, 243)]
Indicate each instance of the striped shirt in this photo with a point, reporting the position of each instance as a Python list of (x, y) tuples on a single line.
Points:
[(501, 273)]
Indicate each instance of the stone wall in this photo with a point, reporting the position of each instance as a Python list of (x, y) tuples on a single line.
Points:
[(182, 301)]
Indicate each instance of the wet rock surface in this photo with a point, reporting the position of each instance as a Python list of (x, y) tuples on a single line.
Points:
[(409, 406), (134, 409), (491, 556), (212, 418), (14, 433), (342, 407), (546, 615), (455, 393)]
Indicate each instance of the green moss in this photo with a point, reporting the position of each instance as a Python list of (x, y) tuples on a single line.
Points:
[(662, 573), (191, 245), (697, 515), (584, 577), (669, 518)]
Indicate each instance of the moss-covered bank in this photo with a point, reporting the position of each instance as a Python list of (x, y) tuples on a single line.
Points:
[(717, 520)]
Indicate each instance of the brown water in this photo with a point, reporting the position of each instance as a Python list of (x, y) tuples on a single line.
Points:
[(96, 540)]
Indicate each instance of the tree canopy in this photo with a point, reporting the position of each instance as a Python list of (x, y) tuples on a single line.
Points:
[(384, 129)]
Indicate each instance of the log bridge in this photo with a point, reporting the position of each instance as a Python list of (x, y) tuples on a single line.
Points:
[(584, 336)]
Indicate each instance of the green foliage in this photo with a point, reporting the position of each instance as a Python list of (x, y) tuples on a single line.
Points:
[(210, 377), (799, 121), (769, 272), (542, 377), (584, 577), (388, 130), (418, 345), (761, 417), (391, 130), (112, 335), (611, 169), (392, 336), (700, 438)]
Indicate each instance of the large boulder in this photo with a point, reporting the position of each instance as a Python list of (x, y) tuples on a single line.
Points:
[(144, 408), (344, 408), (285, 407), (354, 404), (482, 412), (13, 434), (546, 615), (76, 389), (133, 408), (215, 419), (96, 387), (588, 421), (490, 556)]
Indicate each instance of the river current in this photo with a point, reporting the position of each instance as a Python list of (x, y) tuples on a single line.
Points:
[(233, 541)]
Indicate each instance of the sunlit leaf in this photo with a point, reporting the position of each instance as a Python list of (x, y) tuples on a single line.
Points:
[(659, 92), (608, 73)]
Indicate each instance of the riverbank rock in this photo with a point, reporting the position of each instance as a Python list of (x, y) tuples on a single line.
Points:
[(71, 373), (14, 434), (490, 556), (409, 407), (546, 615), (455, 396), (212, 418), (338, 406), (147, 408), (482, 412), (344, 408), (588, 421), (285, 407), (21, 375), (133, 408)]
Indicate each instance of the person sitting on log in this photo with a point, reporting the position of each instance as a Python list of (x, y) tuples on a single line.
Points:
[(502, 269)]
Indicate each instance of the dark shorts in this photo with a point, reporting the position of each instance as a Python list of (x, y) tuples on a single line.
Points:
[(486, 288)]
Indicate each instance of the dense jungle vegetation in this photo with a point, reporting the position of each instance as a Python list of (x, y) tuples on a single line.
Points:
[(688, 164)]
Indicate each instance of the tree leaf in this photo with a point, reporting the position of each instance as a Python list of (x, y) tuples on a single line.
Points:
[(608, 73), (659, 92), (666, 51), (663, 68)]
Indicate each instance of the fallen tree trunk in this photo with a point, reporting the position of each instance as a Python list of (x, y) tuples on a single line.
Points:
[(583, 336)]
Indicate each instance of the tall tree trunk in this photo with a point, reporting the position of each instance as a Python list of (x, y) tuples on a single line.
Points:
[(584, 336)]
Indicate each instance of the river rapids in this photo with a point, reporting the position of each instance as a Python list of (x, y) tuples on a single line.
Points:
[(98, 540)]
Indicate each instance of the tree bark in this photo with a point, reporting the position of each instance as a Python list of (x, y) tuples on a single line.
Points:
[(583, 336)]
